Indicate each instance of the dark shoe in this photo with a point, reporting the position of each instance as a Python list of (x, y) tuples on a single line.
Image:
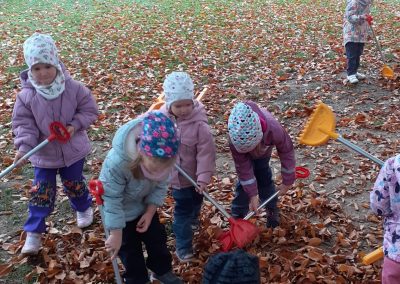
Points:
[(272, 217), (168, 278)]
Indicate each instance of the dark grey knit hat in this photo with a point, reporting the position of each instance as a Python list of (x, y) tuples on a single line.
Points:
[(232, 267)]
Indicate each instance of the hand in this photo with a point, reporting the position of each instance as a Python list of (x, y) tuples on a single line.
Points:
[(254, 203), (18, 156), (144, 222), (369, 19), (71, 130), (283, 188), (202, 187), (113, 243)]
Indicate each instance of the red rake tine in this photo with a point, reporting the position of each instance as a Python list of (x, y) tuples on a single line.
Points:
[(97, 190)]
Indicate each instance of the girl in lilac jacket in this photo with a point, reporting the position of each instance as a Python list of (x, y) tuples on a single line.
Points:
[(49, 94), (253, 133), (385, 201), (196, 156)]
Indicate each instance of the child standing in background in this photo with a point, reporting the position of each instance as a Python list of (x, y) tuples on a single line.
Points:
[(253, 132), (135, 178), (50, 94), (355, 35), (385, 201), (196, 157)]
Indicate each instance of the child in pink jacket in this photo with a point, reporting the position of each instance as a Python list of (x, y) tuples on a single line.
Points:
[(196, 157), (253, 133), (385, 201), (50, 94), (355, 35)]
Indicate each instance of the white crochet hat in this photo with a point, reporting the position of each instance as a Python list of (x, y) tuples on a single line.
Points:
[(244, 128), (178, 86)]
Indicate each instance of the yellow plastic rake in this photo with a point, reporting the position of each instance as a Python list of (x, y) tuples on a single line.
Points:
[(160, 100), (320, 127)]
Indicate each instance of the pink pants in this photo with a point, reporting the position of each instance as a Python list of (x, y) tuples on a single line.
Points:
[(391, 271)]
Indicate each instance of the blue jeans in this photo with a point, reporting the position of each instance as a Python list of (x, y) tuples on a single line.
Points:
[(266, 188), (354, 51), (186, 213), (43, 194)]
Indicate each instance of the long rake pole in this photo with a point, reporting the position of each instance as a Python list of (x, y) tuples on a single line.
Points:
[(206, 195), (360, 150)]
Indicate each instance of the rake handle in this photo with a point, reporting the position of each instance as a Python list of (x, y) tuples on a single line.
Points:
[(96, 188), (377, 44), (359, 150), (206, 195)]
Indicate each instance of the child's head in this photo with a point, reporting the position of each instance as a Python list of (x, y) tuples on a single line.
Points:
[(45, 73), (244, 126), (179, 93), (159, 144)]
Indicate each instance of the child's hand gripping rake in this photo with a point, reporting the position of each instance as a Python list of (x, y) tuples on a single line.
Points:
[(242, 231), (97, 190), (57, 132), (320, 127), (226, 237)]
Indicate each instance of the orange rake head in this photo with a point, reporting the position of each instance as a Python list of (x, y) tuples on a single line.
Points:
[(320, 127), (387, 72)]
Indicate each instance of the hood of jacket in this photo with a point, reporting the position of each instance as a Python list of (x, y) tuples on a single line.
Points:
[(26, 83), (126, 138)]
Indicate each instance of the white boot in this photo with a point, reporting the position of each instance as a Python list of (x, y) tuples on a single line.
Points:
[(352, 79), (361, 76), (85, 218), (32, 244)]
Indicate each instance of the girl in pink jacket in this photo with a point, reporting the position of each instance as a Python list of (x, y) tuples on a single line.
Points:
[(196, 157), (253, 133), (385, 201), (50, 94), (355, 35)]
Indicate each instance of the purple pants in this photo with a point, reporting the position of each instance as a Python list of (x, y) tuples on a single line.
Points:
[(43, 194), (391, 271)]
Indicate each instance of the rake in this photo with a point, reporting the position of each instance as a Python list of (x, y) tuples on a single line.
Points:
[(319, 128), (160, 100)]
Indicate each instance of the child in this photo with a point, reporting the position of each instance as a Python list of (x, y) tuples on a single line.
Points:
[(135, 178), (253, 132), (196, 157), (385, 201), (355, 34), (50, 94)]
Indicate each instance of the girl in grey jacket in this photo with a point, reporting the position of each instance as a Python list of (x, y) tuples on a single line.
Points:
[(135, 178)]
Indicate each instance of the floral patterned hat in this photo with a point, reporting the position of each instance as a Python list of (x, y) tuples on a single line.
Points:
[(159, 136)]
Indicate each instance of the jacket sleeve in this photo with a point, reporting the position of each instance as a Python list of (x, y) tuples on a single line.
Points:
[(380, 193), (351, 13), (205, 154), (284, 146), (86, 112), (24, 126), (245, 172), (158, 194), (114, 184)]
